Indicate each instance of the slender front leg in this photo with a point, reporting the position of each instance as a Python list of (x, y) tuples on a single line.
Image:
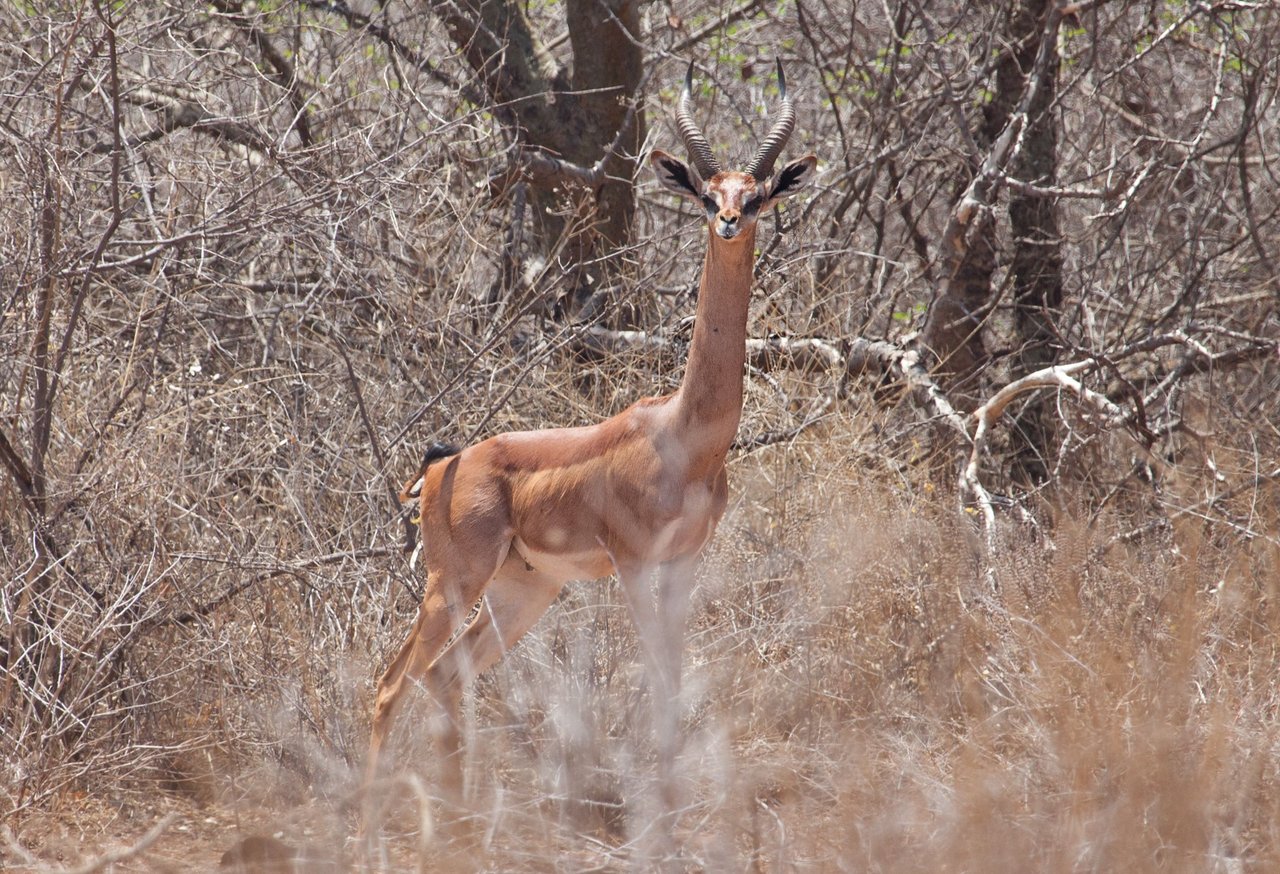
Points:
[(675, 587), (660, 625)]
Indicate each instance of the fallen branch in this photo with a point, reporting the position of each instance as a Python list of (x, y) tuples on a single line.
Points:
[(795, 353), (1061, 377), (859, 356), (179, 110)]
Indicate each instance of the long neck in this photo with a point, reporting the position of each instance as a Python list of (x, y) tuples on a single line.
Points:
[(709, 402)]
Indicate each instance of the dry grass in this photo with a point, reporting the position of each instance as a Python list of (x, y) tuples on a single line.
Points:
[(855, 700)]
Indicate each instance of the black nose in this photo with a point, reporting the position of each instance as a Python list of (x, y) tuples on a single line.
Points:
[(728, 219)]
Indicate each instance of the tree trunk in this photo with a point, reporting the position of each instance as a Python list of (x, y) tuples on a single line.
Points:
[(1021, 141), (572, 116), (1036, 264)]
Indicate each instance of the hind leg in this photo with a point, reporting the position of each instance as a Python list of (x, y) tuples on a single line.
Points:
[(514, 600), (452, 589)]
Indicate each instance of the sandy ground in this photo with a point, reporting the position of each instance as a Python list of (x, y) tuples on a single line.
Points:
[(88, 830)]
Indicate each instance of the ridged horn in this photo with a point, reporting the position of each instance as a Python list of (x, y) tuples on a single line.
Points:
[(694, 141), (761, 168)]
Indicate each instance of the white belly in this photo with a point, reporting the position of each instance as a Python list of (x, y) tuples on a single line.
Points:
[(566, 566)]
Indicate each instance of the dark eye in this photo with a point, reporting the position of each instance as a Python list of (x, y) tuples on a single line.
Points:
[(753, 204), (710, 204)]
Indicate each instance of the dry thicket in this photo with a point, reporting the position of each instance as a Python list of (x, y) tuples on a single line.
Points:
[(255, 256)]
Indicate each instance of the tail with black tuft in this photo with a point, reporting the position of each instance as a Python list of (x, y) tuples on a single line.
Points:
[(436, 451)]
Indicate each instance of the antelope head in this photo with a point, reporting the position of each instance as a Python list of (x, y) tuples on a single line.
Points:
[(733, 200)]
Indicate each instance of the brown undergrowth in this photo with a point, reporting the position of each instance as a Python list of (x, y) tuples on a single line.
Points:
[(856, 699)]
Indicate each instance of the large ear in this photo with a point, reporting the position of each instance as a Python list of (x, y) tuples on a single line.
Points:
[(792, 178), (676, 176)]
